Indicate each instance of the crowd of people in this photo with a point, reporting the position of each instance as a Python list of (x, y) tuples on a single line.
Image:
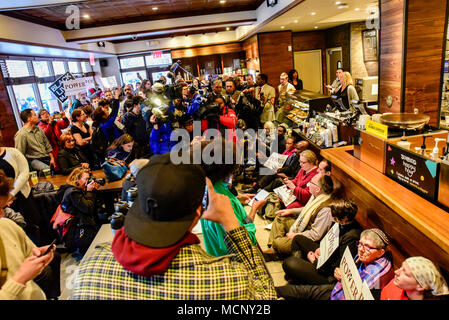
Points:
[(156, 249)]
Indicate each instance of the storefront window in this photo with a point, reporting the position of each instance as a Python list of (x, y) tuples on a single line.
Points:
[(128, 63), (41, 69), (132, 78), (49, 102), (86, 67), (17, 68), (25, 97), (59, 67), (74, 67)]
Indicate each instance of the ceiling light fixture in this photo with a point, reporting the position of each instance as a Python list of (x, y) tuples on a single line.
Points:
[(343, 6), (155, 8), (316, 27), (296, 21), (282, 27), (313, 13), (222, 1), (227, 28), (357, 9), (86, 16), (337, 2)]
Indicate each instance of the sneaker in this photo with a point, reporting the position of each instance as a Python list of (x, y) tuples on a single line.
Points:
[(270, 255)]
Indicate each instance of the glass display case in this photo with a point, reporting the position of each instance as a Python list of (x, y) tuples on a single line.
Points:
[(444, 107)]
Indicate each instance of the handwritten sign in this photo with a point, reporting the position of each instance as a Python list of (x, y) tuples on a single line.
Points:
[(275, 161), (72, 87), (353, 287), (57, 87), (285, 194), (328, 245)]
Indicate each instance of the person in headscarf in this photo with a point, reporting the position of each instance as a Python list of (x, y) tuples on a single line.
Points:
[(417, 279)]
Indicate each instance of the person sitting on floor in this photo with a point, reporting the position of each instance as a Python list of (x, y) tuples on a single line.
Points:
[(373, 263), (417, 279), (300, 267), (312, 221), (122, 148)]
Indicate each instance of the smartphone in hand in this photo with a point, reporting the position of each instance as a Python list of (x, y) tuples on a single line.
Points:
[(49, 248)]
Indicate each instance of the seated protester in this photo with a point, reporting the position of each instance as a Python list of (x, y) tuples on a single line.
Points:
[(265, 180), (220, 175), (70, 156), (157, 252), (136, 126), (311, 221), (78, 199), (373, 264), (268, 137), (324, 167), (300, 267), (417, 279), (299, 185), (104, 130), (31, 141), (24, 261), (122, 149), (82, 133), (52, 129), (160, 136)]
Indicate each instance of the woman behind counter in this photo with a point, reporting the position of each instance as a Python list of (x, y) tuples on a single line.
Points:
[(293, 78), (347, 91)]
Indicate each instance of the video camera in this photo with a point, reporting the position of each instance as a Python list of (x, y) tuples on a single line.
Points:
[(208, 110)]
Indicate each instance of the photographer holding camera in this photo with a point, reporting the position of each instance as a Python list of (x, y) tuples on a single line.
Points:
[(78, 198)]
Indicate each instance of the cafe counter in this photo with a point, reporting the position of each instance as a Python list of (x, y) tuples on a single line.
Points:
[(414, 225)]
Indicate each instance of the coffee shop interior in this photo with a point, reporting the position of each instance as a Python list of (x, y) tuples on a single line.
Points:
[(389, 146)]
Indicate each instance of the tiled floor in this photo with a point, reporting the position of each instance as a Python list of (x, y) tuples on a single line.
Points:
[(69, 265)]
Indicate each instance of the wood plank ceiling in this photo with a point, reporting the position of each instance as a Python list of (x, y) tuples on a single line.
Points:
[(113, 12)]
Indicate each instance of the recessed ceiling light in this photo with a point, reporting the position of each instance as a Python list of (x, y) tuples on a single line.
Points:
[(282, 27), (316, 27), (343, 6), (227, 28), (86, 16), (296, 21), (357, 9), (313, 13), (222, 1), (338, 2), (155, 8)]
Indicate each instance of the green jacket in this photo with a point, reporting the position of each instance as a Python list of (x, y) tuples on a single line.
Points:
[(213, 233)]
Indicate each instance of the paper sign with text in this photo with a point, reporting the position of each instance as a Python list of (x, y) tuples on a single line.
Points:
[(285, 194), (275, 161), (353, 287), (328, 244), (72, 87), (57, 87)]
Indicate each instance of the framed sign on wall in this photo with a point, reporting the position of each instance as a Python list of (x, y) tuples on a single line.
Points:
[(369, 43)]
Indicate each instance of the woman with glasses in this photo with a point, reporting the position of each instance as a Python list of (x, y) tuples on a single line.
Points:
[(70, 156), (418, 278), (300, 267), (373, 264)]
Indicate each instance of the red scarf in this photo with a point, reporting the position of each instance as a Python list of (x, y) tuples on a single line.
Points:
[(143, 260)]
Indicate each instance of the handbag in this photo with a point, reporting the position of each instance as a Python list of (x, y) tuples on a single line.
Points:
[(61, 221), (114, 169)]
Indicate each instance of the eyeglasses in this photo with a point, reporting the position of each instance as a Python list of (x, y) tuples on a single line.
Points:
[(365, 246)]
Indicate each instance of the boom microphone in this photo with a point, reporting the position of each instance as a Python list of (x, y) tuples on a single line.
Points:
[(175, 66)]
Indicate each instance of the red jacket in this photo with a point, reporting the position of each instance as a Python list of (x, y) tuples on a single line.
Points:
[(228, 120), (302, 192), (53, 133)]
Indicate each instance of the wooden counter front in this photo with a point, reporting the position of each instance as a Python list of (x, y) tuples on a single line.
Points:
[(414, 225)]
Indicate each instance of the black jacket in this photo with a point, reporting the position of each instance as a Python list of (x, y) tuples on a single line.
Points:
[(136, 127), (69, 159), (79, 203)]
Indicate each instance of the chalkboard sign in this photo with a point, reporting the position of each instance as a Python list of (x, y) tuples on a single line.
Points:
[(413, 171)]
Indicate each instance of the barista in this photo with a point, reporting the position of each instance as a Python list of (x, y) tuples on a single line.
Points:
[(347, 91)]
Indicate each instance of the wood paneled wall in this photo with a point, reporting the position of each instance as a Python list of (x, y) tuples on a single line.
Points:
[(391, 47), (274, 55), (312, 40), (206, 50), (424, 52), (7, 118), (341, 37), (251, 48)]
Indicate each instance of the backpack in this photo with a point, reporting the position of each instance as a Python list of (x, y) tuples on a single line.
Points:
[(272, 206)]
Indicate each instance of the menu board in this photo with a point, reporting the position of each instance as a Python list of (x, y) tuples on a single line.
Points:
[(413, 171)]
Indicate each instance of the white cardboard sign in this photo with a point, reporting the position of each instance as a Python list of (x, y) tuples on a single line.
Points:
[(353, 287), (328, 244)]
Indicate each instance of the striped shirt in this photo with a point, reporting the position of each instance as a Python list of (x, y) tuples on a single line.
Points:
[(192, 275)]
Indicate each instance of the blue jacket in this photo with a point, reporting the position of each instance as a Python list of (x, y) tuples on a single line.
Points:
[(194, 104), (160, 139)]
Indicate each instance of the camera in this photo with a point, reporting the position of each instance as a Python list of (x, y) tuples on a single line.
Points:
[(100, 181), (207, 110)]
